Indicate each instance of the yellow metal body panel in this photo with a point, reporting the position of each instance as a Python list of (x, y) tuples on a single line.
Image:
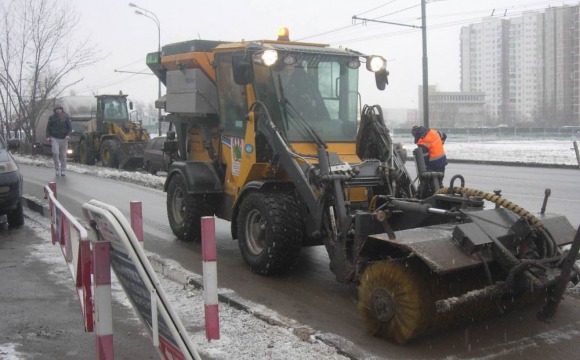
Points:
[(191, 60), (128, 132)]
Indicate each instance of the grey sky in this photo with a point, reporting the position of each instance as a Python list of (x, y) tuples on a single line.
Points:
[(125, 38)]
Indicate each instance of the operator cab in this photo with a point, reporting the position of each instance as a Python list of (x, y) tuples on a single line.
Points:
[(113, 109), (311, 91)]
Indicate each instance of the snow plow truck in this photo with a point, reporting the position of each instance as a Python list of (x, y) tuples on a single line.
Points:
[(270, 135)]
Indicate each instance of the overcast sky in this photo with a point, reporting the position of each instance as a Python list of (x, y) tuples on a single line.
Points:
[(124, 38)]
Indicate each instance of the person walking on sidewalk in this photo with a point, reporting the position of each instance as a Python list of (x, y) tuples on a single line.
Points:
[(58, 130)]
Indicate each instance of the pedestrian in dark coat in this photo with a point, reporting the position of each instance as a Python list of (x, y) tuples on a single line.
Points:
[(58, 132)]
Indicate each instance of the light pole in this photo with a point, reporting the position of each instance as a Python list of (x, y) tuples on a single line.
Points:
[(148, 14), (423, 28)]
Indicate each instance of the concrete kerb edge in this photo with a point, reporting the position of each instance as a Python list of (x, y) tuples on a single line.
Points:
[(230, 297)]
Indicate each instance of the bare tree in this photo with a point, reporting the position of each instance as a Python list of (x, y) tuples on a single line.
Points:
[(38, 53)]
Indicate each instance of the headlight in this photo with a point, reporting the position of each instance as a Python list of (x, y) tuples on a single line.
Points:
[(69, 151), (266, 57), (7, 167), (376, 63)]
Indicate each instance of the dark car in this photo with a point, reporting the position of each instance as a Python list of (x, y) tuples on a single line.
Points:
[(154, 159), (10, 187)]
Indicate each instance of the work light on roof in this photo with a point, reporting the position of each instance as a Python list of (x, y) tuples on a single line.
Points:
[(376, 63), (267, 57)]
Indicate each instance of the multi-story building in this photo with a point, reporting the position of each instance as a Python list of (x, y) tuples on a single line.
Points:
[(527, 66)]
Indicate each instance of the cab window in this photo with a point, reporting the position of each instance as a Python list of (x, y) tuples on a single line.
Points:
[(232, 98)]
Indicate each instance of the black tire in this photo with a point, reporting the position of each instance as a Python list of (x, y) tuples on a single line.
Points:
[(110, 154), (16, 216), (185, 210), (86, 154), (147, 167), (270, 232)]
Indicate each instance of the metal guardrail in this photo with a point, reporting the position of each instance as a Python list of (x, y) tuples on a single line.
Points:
[(111, 242)]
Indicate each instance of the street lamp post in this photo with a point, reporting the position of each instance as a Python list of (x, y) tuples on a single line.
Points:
[(423, 28), (148, 14)]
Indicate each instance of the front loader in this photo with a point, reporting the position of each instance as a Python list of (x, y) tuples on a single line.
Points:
[(111, 137), (267, 137)]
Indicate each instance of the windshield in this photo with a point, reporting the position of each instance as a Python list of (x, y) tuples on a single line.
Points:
[(320, 89), (115, 110)]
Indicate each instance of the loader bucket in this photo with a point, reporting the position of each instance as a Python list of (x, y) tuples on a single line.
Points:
[(131, 155)]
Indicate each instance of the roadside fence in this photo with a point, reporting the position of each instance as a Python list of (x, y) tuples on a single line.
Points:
[(111, 242)]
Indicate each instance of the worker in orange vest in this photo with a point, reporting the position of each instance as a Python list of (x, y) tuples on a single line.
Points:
[(431, 143)]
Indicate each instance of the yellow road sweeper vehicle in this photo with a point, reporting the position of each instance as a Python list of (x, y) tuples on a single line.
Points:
[(267, 137)]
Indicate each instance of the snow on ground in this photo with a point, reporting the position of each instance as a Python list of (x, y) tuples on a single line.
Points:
[(242, 336), (538, 151)]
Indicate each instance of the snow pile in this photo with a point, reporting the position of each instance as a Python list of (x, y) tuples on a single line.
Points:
[(139, 178), (242, 335)]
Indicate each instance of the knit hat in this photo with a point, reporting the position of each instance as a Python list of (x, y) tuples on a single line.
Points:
[(415, 130)]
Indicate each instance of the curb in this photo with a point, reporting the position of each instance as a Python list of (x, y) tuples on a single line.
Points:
[(176, 273)]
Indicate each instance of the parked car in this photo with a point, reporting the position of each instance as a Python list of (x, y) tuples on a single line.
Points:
[(154, 159), (10, 187)]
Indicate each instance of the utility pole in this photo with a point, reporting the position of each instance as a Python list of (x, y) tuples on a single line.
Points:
[(423, 28), (425, 67)]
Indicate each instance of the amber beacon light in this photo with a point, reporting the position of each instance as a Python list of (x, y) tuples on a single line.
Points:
[(283, 34)]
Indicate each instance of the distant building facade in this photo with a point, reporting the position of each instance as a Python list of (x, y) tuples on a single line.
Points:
[(397, 117), (527, 66), (454, 109)]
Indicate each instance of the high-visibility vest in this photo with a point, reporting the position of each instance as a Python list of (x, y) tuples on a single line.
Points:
[(432, 141)]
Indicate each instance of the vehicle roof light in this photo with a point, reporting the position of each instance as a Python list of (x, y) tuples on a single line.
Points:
[(353, 64), (283, 34), (267, 57), (290, 60), (376, 63)]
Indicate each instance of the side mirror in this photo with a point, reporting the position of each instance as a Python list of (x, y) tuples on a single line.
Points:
[(242, 68), (170, 135), (382, 79), (130, 105)]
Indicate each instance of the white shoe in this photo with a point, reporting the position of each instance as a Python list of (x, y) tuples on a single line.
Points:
[(57, 172), (62, 173)]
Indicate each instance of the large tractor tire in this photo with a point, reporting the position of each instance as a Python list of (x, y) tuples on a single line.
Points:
[(16, 216), (270, 232), (186, 210), (110, 154), (86, 154)]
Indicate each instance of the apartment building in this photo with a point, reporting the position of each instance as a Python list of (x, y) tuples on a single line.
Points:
[(527, 66)]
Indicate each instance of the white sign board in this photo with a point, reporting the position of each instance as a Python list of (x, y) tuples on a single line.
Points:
[(138, 279)]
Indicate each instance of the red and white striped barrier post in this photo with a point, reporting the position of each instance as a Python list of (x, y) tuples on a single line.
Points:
[(137, 220), (210, 295), (102, 296)]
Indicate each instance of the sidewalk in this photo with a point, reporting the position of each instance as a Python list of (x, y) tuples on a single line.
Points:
[(39, 308)]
